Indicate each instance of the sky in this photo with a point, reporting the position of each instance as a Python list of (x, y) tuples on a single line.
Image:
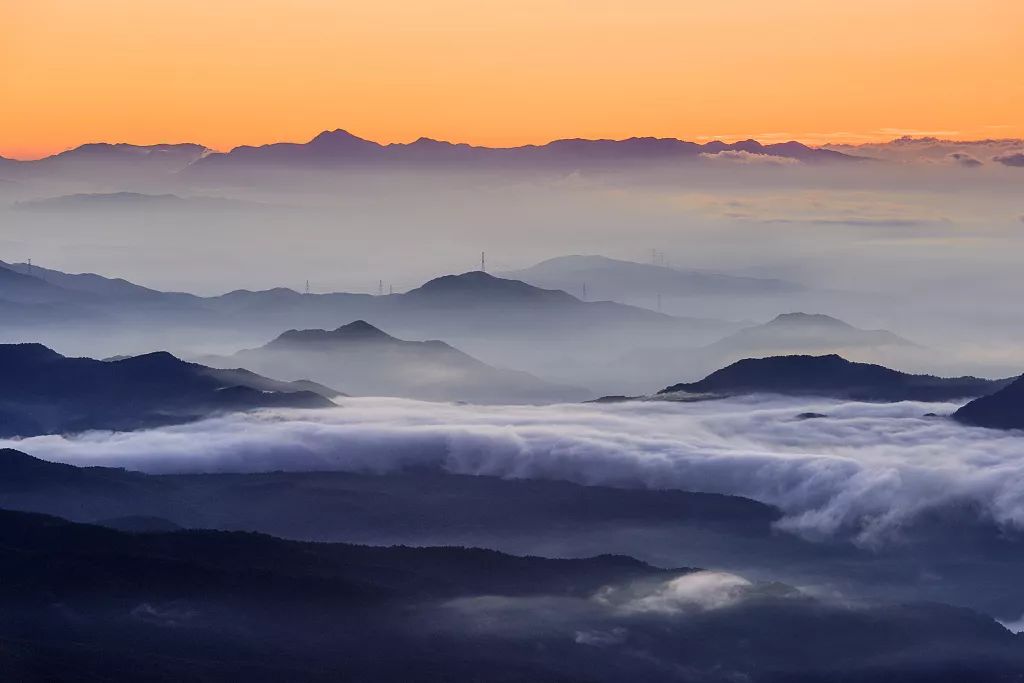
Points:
[(503, 72)]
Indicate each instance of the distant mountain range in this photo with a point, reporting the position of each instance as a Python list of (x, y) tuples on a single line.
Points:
[(804, 332), (831, 376), (933, 150), (366, 361), (339, 148), (786, 334), (1003, 409), (45, 392), (501, 322), (629, 281)]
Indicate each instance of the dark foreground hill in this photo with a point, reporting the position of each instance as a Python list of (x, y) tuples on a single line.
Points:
[(89, 603), (834, 377), (45, 392), (972, 561), (1003, 409), (367, 361)]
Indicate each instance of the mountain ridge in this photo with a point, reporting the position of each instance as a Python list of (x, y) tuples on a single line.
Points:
[(367, 361), (45, 392), (832, 376)]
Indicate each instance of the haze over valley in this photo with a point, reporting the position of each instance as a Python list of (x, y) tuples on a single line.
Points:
[(511, 342)]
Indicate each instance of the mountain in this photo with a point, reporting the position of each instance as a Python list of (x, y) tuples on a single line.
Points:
[(20, 287), (339, 148), (501, 322), (369, 362), (802, 333), (521, 514), (933, 150), (88, 283), (102, 157), (1003, 409), (834, 377), (84, 602), (628, 281), (476, 312), (45, 392)]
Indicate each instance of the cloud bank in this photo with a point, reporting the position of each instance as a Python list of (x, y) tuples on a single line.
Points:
[(863, 471), (740, 156)]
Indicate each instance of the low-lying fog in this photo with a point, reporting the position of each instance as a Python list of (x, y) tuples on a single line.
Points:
[(863, 469), (928, 251)]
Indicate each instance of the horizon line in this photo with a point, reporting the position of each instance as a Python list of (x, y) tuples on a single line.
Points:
[(823, 140)]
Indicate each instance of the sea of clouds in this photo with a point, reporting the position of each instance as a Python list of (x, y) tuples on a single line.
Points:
[(864, 469)]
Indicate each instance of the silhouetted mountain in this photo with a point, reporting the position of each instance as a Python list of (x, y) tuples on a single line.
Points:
[(1002, 409), (45, 392), (339, 148), (19, 287), (804, 332), (91, 602), (932, 150), (369, 362), (116, 289), (834, 377), (628, 281), (477, 286), (547, 333), (484, 511)]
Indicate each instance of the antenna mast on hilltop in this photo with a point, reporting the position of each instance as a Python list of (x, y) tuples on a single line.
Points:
[(483, 262)]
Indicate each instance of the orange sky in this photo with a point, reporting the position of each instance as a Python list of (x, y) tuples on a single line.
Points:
[(230, 72)]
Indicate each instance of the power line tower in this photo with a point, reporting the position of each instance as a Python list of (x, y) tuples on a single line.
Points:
[(307, 286), (584, 296), (483, 262), (380, 287)]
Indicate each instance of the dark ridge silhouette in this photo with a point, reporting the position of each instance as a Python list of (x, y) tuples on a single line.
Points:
[(339, 148), (368, 361), (99, 287), (120, 152), (477, 285), (421, 503), (88, 602), (1003, 409), (835, 377), (45, 392)]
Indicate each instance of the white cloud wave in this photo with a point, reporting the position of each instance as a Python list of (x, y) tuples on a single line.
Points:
[(865, 469), (697, 591), (740, 156)]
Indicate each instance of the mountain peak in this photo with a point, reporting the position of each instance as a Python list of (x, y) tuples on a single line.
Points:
[(338, 138), (360, 329), (816, 319), (477, 282), (357, 331), (833, 376), (31, 352)]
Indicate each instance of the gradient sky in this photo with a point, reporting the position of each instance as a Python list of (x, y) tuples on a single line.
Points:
[(230, 72)]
